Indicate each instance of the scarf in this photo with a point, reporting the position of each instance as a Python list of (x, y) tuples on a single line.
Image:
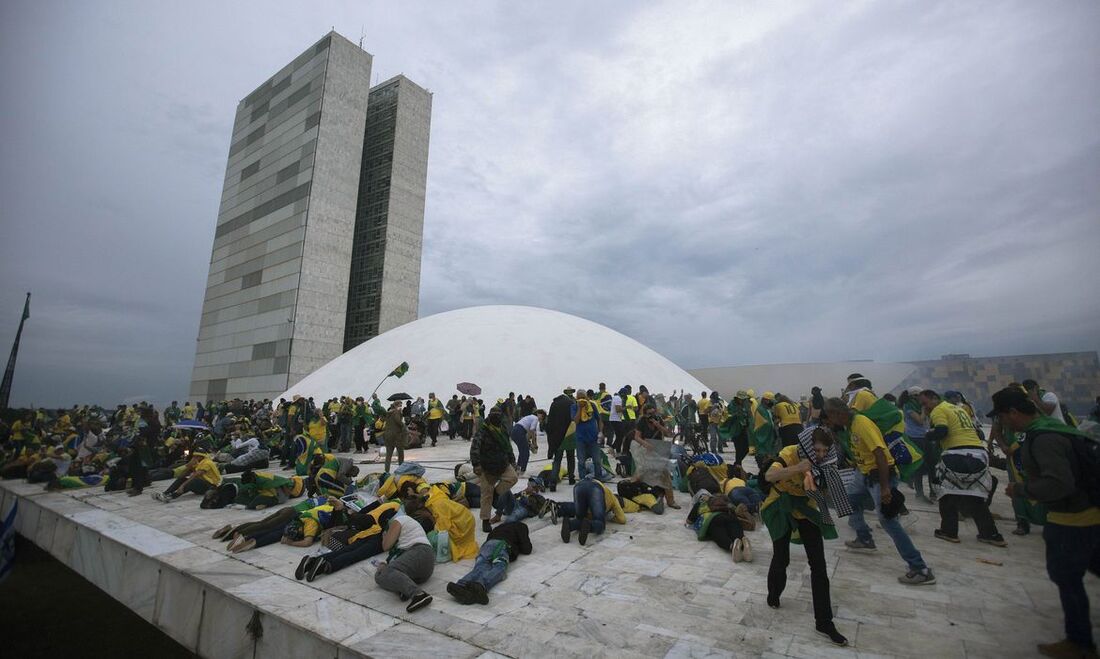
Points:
[(825, 471)]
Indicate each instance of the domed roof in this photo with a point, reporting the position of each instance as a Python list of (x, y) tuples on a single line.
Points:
[(526, 350)]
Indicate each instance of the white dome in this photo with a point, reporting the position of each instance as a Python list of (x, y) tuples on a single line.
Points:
[(525, 350)]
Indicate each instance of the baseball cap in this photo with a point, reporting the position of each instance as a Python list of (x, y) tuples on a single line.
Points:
[(768, 396)]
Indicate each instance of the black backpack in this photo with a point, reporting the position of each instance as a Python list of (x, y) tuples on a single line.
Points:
[(1086, 453)]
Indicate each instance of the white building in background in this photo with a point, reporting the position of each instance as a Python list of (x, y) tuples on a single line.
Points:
[(502, 349), (318, 239)]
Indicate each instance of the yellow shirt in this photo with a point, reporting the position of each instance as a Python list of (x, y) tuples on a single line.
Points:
[(703, 405), (863, 400), (865, 439), (786, 414), (1087, 517), (630, 407), (794, 485), (208, 471), (435, 409), (318, 430), (960, 427)]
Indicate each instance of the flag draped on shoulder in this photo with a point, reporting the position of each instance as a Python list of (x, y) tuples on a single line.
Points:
[(400, 370)]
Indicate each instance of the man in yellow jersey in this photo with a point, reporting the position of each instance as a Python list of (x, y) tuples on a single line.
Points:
[(963, 475), (788, 418), (703, 407), (877, 478), (1057, 476)]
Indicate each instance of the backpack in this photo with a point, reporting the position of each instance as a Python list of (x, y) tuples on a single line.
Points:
[(1086, 452)]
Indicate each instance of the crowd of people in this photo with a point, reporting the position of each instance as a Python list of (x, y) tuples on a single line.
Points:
[(814, 460)]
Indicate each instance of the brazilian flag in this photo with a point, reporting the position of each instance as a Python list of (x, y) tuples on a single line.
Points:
[(763, 434), (400, 370)]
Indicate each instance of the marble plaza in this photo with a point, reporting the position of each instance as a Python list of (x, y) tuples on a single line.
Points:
[(648, 588)]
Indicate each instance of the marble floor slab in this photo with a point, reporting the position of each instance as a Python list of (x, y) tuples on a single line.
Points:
[(644, 589)]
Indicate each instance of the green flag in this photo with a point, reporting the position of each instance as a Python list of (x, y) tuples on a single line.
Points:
[(400, 370)]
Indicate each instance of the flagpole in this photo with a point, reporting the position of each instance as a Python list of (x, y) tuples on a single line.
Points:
[(9, 372)]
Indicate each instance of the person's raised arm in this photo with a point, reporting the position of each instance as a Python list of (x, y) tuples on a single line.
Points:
[(777, 473)]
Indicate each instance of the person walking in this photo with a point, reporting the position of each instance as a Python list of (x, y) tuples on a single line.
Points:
[(558, 418), (1054, 460), (876, 478), (395, 434), (495, 464)]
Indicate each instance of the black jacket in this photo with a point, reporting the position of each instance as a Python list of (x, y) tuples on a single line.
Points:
[(516, 535), (492, 450), (558, 417), (1052, 473)]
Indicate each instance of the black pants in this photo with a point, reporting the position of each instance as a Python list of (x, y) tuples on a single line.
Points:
[(1072, 551), (275, 521), (135, 468), (198, 486), (365, 548), (433, 429), (627, 428), (616, 430), (789, 434), (815, 556), (723, 529), (452, 426), (358, 438), (973, 507), (740, 447)]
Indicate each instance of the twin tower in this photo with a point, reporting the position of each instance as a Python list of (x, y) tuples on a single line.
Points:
[(320, 229)]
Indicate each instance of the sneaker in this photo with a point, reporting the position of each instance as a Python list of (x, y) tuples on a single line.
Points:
[(582, 532), (943, 536), (746, 550), (133, 492), (248, 543), (659, 507), (1022, 528), (565, 530), (480, 595), (1065, 650), (303, 567), (996, 540), (829, 629), (860, 545), (918, 578), (419, 601), (736, 551), (773, 602), (461, 593), (161, 497), (486, 525), (318, 567), (222, 532)]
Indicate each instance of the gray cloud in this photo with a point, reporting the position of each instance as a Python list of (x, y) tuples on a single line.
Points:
[(727, 183)]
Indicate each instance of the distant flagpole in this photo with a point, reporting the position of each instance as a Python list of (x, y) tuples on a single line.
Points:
[(9, 372)]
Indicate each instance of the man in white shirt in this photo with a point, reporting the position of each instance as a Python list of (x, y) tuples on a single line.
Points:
[(616, 421), (524, 435), (1046, 401)]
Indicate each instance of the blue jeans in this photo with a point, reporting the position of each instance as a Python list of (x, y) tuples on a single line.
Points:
[(715, 439), (1071, 551), (588, 499), (519, 512), (523, 449), (489, 571), (586, 450), (857, 490)]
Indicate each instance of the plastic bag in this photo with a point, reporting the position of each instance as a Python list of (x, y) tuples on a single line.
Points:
[(441, 543)]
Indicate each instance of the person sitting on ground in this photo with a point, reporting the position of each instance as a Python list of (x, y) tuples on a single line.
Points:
[(503, 546), (331, 476), (411, 562), (200, 475), (652, 460)]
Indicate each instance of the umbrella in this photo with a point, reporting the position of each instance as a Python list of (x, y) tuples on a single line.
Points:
[(469, 388), (399, 396), (190, 425)]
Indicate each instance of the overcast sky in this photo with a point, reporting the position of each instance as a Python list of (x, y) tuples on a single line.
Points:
[(728, 183)]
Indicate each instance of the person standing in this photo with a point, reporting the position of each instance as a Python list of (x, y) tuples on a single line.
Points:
[(1053, 462), (763, 432), (715, 411), (435, 417), (603, 399), (963, 470), (558, 418), (792, 515), (586, 416), (1046, 401), (876, 478), (494, 462), (788, 420), (454, 416), (916, 427), (395, 434), (615, 419)]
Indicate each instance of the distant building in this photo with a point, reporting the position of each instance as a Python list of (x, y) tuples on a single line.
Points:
[(313, 182), (1074, 376)]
